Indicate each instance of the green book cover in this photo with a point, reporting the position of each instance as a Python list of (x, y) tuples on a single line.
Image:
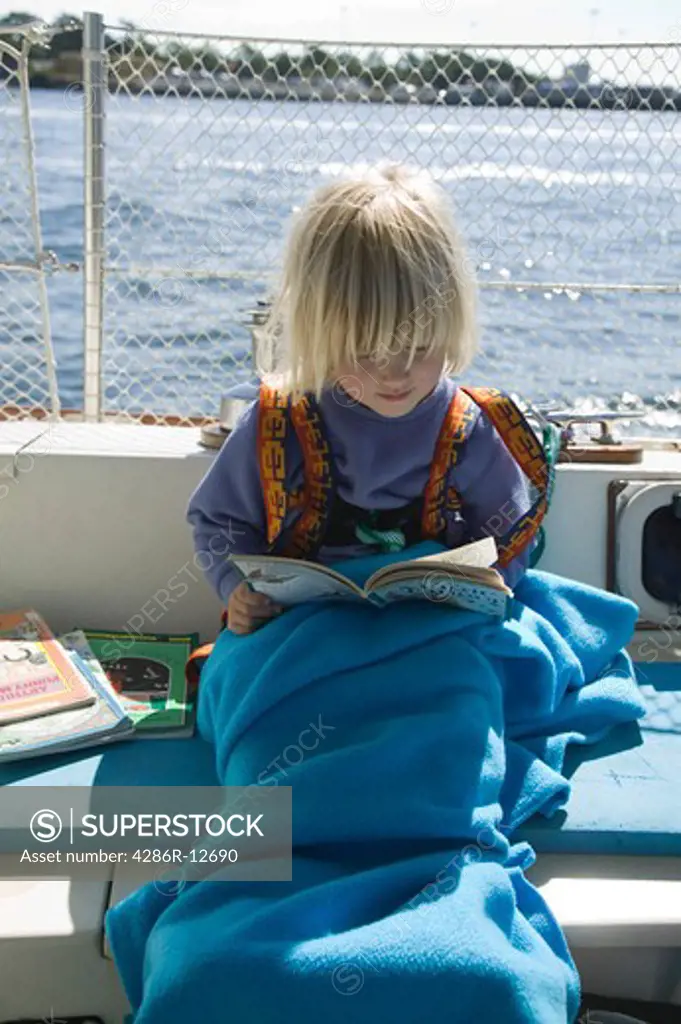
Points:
[(147, 671)]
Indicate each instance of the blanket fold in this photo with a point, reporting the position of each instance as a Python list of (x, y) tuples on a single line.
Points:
[(416, 738)]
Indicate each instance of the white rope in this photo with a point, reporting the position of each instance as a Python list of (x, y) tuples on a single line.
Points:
[(38, 31), (374, 44), (31, 266), (141, 270), (582, 286), (19, 30), (46, 258)]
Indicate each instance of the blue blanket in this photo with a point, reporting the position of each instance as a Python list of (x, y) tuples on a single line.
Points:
[(416, 739)]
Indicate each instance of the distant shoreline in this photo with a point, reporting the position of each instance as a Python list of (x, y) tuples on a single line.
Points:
[(585, 97), (138, 63)]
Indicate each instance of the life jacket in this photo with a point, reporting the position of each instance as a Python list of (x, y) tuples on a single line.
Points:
[(313, 501)]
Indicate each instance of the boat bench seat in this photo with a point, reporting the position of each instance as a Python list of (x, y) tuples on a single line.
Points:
[(609, 865)]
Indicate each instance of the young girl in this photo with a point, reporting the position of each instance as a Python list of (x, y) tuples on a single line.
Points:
[(361, 440)]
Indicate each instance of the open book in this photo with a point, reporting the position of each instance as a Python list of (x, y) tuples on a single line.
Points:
[(462, 577)]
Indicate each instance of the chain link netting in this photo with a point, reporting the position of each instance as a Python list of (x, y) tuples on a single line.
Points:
[(562, 163), (27, 382)]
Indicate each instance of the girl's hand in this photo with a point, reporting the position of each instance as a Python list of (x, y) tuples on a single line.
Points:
[(247, 610)]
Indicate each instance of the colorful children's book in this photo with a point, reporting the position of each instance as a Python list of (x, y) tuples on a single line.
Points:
[(103, 721), (36, 675), (461, 577), (147, 673)]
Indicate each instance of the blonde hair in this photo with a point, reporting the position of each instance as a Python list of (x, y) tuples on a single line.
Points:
[(374, 267)]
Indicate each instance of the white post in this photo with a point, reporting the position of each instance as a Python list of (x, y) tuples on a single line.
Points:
[(94, 91), (50, 364)]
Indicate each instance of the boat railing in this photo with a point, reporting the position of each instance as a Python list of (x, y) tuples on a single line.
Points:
[(196, 147), (28, 380)]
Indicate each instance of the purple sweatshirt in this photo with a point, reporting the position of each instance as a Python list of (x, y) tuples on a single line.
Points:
[(380, 462)]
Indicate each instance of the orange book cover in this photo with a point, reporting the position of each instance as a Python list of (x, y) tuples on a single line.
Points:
[(37, 677)]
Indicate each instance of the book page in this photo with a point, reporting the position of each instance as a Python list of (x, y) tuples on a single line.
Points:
[(289, 581), (437, 577), (458, 593), (480, 554)]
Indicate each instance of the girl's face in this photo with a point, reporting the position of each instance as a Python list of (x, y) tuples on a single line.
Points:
[(388, 385)]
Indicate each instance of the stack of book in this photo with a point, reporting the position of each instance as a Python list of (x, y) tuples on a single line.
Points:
[(88, 687)]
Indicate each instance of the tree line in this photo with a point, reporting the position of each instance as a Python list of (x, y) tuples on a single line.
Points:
[(440, 68)]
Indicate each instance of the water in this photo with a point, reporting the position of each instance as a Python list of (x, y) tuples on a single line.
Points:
[(548, 196)]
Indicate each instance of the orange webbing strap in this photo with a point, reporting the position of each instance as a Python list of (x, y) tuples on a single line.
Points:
[(273, 414), (440, 495), (198, 658), (192, 670), (525, 447), (307, 533)]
